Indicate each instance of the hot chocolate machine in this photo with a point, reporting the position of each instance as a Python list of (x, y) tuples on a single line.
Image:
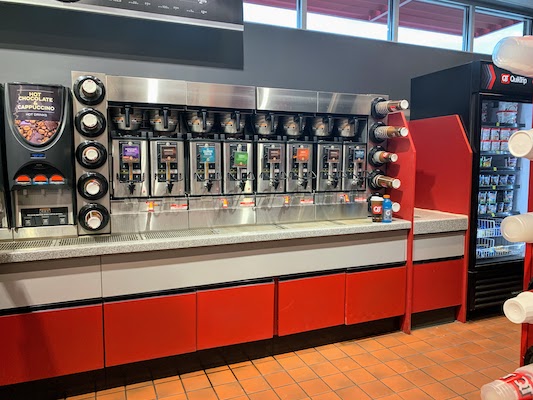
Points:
[(160, 155)]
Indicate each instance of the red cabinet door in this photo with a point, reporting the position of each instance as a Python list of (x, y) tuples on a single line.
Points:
[(437, 285), (235, 315), (144, 329), (51, 343), (311, 303), (373, 295)]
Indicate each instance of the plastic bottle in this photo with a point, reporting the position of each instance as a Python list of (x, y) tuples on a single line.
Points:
[(518, 228), (515, 54), (519, 309), (376, 205), (387, 209), (515, 386)]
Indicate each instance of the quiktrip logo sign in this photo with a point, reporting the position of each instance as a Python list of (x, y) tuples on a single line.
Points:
[(496, 79), (505, 79)]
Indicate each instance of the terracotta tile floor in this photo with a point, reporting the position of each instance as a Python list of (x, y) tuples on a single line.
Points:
[(450, 361)]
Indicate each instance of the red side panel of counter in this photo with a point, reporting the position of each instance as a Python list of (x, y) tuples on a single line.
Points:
[(137, 330), (310, 303), (235, 315), (46, 344), (434, 180), (404, 170)]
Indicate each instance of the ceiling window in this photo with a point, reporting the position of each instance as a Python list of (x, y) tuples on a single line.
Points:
[(363, 18), (271, 12), (491, 27), (430, 24)]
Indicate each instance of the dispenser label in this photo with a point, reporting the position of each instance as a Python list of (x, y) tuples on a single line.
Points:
[(334, 155), (131, 153), (207, 154), (36, 111), (302, 155), (274, 155), (168, 154), (359, 154), (240, 159)]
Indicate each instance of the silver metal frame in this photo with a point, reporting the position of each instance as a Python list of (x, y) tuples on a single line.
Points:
[(264, 185), (231, 179), (120, 189), (197, 181), (305, 169), (160, 189), (124, 89)]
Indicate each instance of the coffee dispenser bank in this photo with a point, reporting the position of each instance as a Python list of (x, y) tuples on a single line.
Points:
[(39, 160)]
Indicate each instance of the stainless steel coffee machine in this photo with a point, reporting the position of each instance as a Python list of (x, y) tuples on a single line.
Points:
[(39, 159), (149, 164), (342, 156), (284, 155), (220, 154)]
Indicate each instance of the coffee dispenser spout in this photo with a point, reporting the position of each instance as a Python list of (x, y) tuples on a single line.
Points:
[(170, 186), (131, 188)]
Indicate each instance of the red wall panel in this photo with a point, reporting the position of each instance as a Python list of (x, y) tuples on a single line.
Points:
[(437, 285), (235, 315), (311, 303), (373, 295), (137, 330), (46, 344)]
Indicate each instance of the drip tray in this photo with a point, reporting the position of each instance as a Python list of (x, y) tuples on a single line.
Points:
[(184, 233), (97, 240), (24, 245)]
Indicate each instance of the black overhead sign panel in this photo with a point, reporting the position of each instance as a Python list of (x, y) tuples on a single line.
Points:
[(226, 14)]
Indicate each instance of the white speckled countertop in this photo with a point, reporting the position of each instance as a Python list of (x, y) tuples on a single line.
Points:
[(101, 245), (431, 221)]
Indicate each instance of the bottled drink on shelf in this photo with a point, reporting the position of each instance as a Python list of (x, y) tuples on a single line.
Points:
[(380, 132), (515, 386), (378, 180), (519, 309), (521, 144), (376, 206), (387, 209), (378, 156), (518, 228), (515, 54), (383, 107)]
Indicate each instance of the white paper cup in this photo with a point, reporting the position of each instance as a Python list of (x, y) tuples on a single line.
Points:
[(518, 228), (521, 144), (519, 309)]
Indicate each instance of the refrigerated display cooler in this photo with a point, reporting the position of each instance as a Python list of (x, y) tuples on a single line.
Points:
[(493, 103)]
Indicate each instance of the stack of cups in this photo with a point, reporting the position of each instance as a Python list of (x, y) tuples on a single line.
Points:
[(515, 386), (520, 308), (518, 228)]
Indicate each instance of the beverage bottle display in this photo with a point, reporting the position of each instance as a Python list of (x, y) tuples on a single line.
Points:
[(382, 108), (521, 144), (519, 309), (380, 132), (378, 180), (515, 54), (379, 156), (518, 228), (515, 386), (376, 206), (387, 209)]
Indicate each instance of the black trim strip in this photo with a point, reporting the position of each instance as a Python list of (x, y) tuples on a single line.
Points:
[(432, 260), (310, 274), (147, 295), (375, 267), (52, 306)]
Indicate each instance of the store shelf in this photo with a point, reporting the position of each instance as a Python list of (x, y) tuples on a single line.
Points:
[(499, 169), (500, 187), (498, 251), (501, 125), (496, 153), (498, 215)]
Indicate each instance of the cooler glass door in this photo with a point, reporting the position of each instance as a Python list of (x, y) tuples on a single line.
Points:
[(503, 179)]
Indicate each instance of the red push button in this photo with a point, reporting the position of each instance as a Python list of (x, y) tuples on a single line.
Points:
[(23, 180), (40, 179), (57, 179)]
